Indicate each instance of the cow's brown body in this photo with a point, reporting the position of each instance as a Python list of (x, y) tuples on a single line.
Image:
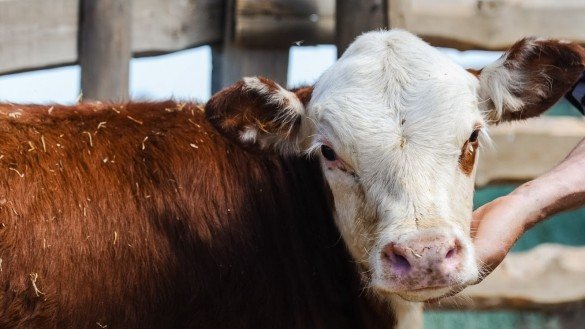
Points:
[(143, 216)]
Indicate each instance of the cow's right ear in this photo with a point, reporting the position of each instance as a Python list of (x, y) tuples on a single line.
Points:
[(529, 78), (259, 114)]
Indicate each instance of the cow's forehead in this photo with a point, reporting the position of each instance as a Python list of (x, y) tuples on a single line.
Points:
[(390, 88), (384, 62)]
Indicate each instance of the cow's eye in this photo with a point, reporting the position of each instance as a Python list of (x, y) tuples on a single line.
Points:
[(328, 153), (474, 136)]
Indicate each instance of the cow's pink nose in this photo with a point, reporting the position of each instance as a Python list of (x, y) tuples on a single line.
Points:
[(426, 261)]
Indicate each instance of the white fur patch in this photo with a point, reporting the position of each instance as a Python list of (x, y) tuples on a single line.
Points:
[(282, 97), (497, 84), (408, 314), (249, 135)]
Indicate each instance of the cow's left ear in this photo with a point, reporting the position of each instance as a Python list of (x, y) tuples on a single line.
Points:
[(529, 78), (260, 115)]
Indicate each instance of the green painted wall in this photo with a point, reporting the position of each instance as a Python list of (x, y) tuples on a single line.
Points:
[(490, 320)]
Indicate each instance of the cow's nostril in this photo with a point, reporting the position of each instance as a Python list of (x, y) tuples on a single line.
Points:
[(454, 250), (401, 263), (396, 260)]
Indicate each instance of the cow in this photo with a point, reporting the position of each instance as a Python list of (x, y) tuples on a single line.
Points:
[(338, 205)]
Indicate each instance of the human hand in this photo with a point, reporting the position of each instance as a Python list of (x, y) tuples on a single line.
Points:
[(495, 227)]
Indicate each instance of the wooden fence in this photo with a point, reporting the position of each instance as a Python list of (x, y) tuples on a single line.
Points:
[(250, 36), (253, 37)]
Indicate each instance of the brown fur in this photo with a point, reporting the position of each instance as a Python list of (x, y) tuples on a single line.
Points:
[(548, 65), (237, 107), (467, 157), (143, 216), (304, 94)]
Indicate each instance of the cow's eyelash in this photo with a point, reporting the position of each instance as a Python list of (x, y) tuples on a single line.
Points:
[(484, 138), (342, 165)]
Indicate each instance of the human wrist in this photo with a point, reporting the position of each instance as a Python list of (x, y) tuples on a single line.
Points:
[(533, 202), (549, 194)]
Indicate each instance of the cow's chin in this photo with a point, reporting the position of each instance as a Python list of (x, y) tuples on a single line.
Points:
[(424, 295), (421, 295)]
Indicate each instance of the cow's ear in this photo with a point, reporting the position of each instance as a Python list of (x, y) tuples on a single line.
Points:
[(529, 78), (259, 114)]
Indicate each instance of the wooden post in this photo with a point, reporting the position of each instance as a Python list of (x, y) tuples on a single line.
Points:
[(232, 62), (354, 17), (105, 49), (278, 23)]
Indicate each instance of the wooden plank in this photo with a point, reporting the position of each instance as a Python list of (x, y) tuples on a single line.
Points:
[(280, 23), (231, 62), (105, 53), (489, 24), (546, 278), (355, 17), (171, 25), (35, 34), (524, 150)]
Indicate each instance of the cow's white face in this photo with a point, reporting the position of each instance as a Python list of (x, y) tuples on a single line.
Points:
[(393, 119), (396, 126)]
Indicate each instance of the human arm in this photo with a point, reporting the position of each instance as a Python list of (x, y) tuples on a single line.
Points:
[(497, 225)]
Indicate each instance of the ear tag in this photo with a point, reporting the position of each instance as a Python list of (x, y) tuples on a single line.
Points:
[(576, 95)]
